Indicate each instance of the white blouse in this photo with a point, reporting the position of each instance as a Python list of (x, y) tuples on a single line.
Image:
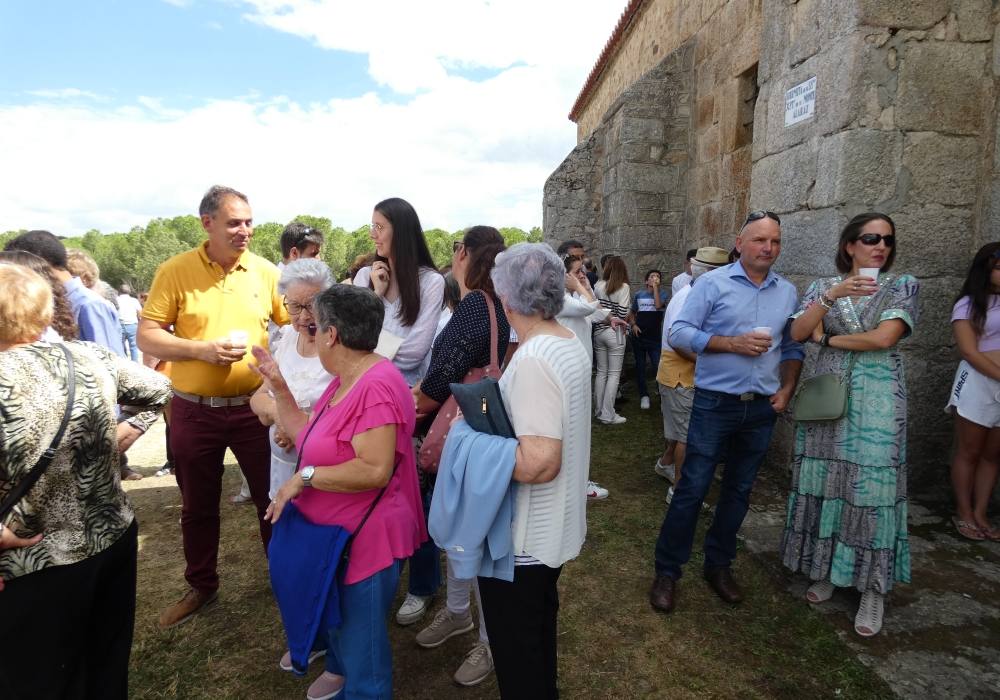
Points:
[(417, 339)]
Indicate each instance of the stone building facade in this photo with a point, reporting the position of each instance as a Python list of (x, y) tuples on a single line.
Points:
[(698, 111)]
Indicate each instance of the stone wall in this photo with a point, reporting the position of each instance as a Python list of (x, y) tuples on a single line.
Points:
[(572, 196), (905, 124), (660, 28), (691, 134)]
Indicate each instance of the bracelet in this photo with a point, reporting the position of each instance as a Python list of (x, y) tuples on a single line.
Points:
[(825, 301), (2, 528), (825, 340)]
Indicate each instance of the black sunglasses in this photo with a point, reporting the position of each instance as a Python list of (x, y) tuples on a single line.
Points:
[(762, 214), (456, 246), (876, 238)]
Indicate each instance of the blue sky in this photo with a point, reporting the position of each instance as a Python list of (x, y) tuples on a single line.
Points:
[(123, 49), (115, 112)]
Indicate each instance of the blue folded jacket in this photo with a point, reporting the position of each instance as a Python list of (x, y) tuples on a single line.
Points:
[(473, 505), (303, 559)]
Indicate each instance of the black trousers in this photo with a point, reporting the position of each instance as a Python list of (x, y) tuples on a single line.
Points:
[(521, 622), (66, 631)]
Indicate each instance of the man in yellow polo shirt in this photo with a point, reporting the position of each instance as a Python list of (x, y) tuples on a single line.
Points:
[(218, 298)]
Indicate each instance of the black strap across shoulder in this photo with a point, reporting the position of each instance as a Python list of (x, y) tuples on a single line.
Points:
[(23, 486)]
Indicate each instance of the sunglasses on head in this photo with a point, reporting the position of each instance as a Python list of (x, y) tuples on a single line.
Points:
[(762, 214), (876, 238), (456, 246)]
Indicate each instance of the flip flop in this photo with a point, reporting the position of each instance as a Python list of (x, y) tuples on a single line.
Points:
[(991, 533), (969, 531)]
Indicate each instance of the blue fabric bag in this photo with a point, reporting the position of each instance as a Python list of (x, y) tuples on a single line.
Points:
[(304, 560)]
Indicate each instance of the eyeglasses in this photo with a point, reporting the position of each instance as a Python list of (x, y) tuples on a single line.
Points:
[(295, 308), (876, 238), (378, 228), (457, 246), (762, 214)]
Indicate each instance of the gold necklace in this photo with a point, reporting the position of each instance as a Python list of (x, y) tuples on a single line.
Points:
[(344, 388)]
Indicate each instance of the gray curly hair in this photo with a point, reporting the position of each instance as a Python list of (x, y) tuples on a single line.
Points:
[(306, 271), (531, 279)]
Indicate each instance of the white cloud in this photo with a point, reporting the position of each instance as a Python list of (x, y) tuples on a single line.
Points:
[(64, 94), (462, 152)]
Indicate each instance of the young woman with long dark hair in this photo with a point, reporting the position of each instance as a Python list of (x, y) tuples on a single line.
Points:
[(975, 321), (405, 278)]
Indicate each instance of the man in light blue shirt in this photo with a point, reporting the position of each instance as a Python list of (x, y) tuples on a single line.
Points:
[(736, 320), (96, 318)]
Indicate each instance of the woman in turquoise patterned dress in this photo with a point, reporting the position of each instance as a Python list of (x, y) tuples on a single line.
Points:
[(846, 520)]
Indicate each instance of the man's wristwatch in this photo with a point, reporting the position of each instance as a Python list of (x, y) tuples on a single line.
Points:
[(307, 475)]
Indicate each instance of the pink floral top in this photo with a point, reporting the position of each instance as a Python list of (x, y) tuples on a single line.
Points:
[(396, 526)]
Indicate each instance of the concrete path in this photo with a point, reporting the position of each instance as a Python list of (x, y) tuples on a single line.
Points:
[(941, 634)]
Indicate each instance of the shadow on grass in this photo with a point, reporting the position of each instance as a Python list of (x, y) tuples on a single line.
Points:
[(611, 644)]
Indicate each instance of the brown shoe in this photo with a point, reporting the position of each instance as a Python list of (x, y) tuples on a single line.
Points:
[(193, 602), (663, 594), (724, 585)]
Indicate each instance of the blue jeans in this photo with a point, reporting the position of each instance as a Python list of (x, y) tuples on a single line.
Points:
[(128, 340), (359, 649), (721, 426), (425, 563), (645, 349)]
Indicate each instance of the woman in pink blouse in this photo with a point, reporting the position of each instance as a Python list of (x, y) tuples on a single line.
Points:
[(355, 446)]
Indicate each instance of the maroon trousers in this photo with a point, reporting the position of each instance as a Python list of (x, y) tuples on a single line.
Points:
[(199, 436)]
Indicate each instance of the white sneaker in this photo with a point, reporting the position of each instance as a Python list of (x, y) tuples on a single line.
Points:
[(644, 402), (595, 492), (412, 609), (477, 666), (613, 420), (667, 471)]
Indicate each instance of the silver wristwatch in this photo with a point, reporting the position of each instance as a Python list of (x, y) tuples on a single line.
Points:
[(307, 475)]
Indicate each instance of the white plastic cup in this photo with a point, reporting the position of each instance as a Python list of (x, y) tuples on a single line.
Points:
[(239, 337), (869, 272), (766, 330)]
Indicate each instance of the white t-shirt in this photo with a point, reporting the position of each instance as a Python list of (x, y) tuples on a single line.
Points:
[(679, 282), (673, 311), (546, 389), (128, 309)]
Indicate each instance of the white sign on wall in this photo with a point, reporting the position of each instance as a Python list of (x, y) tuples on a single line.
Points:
[(800, 102)]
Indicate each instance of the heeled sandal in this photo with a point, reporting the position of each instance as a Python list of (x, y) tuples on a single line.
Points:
[(868, 621), (820, 592)]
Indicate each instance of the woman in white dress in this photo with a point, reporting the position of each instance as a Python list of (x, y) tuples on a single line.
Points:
[(294, 350)]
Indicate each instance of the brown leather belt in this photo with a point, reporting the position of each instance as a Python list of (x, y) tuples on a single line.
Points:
[(214, 401)]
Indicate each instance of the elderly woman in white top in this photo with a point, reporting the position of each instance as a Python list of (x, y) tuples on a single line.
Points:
[(294, 350), (546, 389)]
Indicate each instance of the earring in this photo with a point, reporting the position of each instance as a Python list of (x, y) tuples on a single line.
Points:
[(329, 345)]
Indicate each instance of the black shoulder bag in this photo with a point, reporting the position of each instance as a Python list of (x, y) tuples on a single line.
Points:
[(23, 486)]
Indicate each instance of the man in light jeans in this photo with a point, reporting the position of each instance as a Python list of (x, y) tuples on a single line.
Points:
[(129, 309)]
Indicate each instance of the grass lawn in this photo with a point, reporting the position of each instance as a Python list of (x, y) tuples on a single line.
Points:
[(611, 645)]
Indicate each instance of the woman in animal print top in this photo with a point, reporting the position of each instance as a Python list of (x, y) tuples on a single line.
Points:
[(68, 547)]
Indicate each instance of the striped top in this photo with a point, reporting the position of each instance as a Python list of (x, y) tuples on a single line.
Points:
[(546, 389), (618, 303)]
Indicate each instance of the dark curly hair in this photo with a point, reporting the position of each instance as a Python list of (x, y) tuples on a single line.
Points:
[(63, 320)]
